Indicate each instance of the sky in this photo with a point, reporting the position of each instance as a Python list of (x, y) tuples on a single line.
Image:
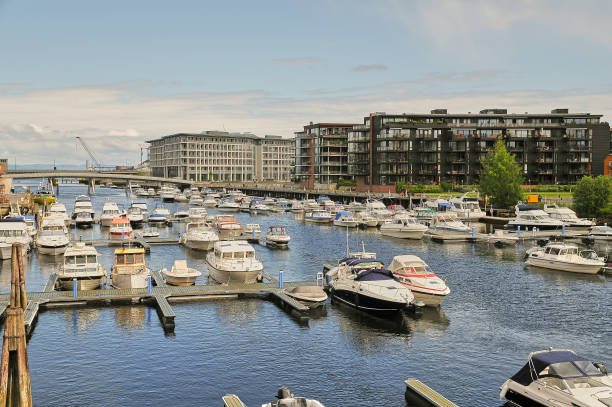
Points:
[(118, 73)]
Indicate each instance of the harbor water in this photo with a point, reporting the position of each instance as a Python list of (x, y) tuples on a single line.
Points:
[(496, 314)]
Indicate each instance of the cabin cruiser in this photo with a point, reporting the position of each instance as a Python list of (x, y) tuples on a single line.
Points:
[(318, 216), (228, 227), (257, 206), (141, 192), (53, 237), (287, 399), (467, 208), (160, 214), (58, 210), (528, 217), (209, 202), (196, 215), (110, 211), (180, 197), (277, 236), (149, 232), (345, 219), (84, 219), (144, 209), (564, 257), (413, 272), (326, 203), (559, 377), (196, 200), (198, 236), (228, 205), (130, 269), (135, 216), (81, 263), (424, 214), (567, 216), (447, 222), (15, 231), (120, 228), (296, 207), (356, 207), (310, 204), (500, 238), (30, 221), (378, 209), (366, 220), (251, 232), (601, 233), (167, 194), (151, 192), (82, 204), (180, 274), (181, 213), (405, 227), (233, 261)]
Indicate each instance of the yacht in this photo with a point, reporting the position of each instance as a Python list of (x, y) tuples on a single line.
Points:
[(167, 194), (141, 192), (356, 207), (81, 263), (529, 217), (310, 205), (53, 237), (198, 236), (277, 236), (378, 210), (180, 274), (209, 202), (84, 219), (296, 207), (318, 216), (567, 216), (30, 221), (233, 261), (82, 204), (228, 205), (15, 231), (120, 228), (58, 210), (559, 377), (135, 216), (160, 214), (196, 215), (144, 209), (181, 214), (366, 220), (601, 233), (447, 222), (256, 206), (110, 211), (251, 232), (130, 269), (228, 228), (180, 197), (404, 228), (346, 219), (196, 200), (467, 208), (564, 257), (414, 273), (151, 192)]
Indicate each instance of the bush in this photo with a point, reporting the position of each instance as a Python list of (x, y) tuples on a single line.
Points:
[(446, 186), (346, 183), (401, 187), (591, 195)]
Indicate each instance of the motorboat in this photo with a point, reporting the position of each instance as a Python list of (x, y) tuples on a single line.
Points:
[(58, 210), (405, 227), (228, 205), (559, 377), (567, 216), (326, 203), (30, 221), (500, 238), (53, 237), (180, 197), (251, 232), (277, 236), (286, 399), (151, 192), (195, 215), (268, 201), (84, 219), (256, 206), (81, 262), (378, 210), (198, 236), (467, 208), (345, 219), (356, 207), (196, 200), (144, 209), (296, 207), (310, 205), (110, 211), (44, 194), (130, 269), (414, 273), (181, 214), (160, 214), (601, 233), (447, 222), (233, 262), (120, 228), (15, 231), (180, 274), (135, 215), (228, 227), (149, 232), (82, 203), (312, 296), (424, 214), (245, 206), (209, 202), (366, 220), (530, 216), (141, 192), (318, 216), (563, 257), (167, 194)]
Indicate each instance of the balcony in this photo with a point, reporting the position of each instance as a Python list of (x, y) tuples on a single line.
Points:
[(544, 148)]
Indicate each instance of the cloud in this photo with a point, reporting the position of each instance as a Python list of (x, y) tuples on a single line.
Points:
[(368, 68)]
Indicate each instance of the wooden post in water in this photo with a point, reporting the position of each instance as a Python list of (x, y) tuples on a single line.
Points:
[(15, 389)]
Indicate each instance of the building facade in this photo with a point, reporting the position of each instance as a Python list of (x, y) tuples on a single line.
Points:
[(221, 156)]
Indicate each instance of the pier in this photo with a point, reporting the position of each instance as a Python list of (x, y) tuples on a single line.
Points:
[(419, 394)]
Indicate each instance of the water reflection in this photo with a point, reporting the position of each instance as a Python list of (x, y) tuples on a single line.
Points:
[(566, 278), (130, 318), (81, 319), (236, 310)]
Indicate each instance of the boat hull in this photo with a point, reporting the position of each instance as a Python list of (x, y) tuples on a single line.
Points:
[(429, 299), (83, 283), (403, 234), (120, 236), (366, 303), (52, 250), (226, 277), (199, 244), (346, 224), (279, 244), (230, 234), (563, 266), (227, 209), (138, 280), (6, 251), (180, 280), (325, 221)]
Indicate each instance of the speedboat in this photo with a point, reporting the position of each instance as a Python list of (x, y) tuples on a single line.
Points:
[(120, 228), (58, 210), (82, 203), (310, 205), (251, 232), (228, 227), (414, 273), (567, 216), (197, 236), (180, 197), (53, 237), (110, 211), (345, 219), (180, 274), (366, 220), (15, 231), (312, 296), (196, 200), (529, 217), (318, 216), (601, 233), (277, 236), (286, 399), (467, 208), (228, 205), (258, 207), (405, 227), (160, 214), (564, 257), (181, 213), (167, 194), (209, 202), (144, 209), (500, 238), (135, 216), (297, 207), (81, 263), (84, 219), (130, 269), (233, 261), (196, 215), (444, 222), (558, 378)]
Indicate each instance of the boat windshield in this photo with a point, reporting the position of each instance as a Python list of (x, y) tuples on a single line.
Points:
[(129, 258), (579, 374), (81, 260)]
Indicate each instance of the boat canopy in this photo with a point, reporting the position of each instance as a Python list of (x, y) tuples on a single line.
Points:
[(354, 261), (323, 198), (375, 275), (555, 363), (343, 213), (443, 204), (406, 260), (528, 208)]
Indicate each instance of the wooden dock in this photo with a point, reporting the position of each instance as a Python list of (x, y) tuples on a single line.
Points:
[(420, 395)]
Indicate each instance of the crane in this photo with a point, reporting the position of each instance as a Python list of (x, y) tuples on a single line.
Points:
[(93, 158)]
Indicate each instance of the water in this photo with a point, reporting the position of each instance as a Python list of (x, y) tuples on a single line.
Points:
[(496, 314)]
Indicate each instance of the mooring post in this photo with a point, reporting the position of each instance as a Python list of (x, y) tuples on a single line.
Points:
[(473, 231), (74, 288), (563, 230), (280, 279), (518, 231), (149, 285), (533, 231)]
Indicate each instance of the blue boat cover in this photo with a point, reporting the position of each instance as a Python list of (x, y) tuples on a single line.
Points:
[(528, 208), (375, 275), (444, 204), (342, 213), (353, 261)]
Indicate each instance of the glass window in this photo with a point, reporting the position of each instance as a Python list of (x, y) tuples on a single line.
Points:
[(70, 260), (120, 259), (564, 369), (80, 260), (91, 259), (227, 255)]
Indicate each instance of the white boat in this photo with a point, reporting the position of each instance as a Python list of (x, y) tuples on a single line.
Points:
[(310, 205), (414, 273), (141, 192), (312, 296), (181, 213), (318, 216), (151, 192), (198, 236), (228, 205), (447, 222), (58, 210), (257, 207), (233, 262), (601, 233), (120, 229), (167, 194), (286, 399), (405, 227), (84, 219), (277, 236), (6, 250), (110, 211), (53, 237), (196, 215), (559, 378), (81, 263), (196, 200), (149, 232), (82, 203), (180, 274), (144, 209), (567, 216), (356, 207), (135, 216), (345, 219), (529, 217), (180, 197), (209, 202), (500, 238), (130, 269), (160, 214), (251, 232), (563, 257), (30, 222), (467, 208), (15, 231), (378, 210), (228, 227), (296, 207), (366, 220)]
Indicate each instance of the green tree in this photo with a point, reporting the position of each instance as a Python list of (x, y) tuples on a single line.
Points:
[(591, 195), (400, 187), (501, 177)]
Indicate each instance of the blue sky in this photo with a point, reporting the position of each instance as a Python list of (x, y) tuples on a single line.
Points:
[(118, 73)]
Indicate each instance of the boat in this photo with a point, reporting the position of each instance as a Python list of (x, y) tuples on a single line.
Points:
[(356, 207), (228, 205), (151, 192), (130, 269), (53, 237), (414, 273), (6, 250), (167, 194), (120, 228), (44, 194), (228, 227), (144, 209), (530, 216), (141, 192), (424, 214), (196, 200), (378, 210), (286, 399), (110, 211), (567, 216), (256, 206), (467, 208), (81, 263), (58, 210), (160, 214), (82, 204), (15, 231), (135, 216), (277, 236), (296, 207), (311, 296), (345, 219), (500, 238), (318, 216), (251, 232), (149, 232), (601, 233), (209, 202), (447, 222), (30, 221), (405, 227), (195, 215), (563, 257), (180, 274), (366, 220), (233, 261), (197, 236), (181, 213), (180, 197), (559, 377), (84, 219), (310, 205)]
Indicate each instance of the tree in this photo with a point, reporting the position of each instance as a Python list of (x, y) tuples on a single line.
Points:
[(591, 195), (400, 187), (501, 177)]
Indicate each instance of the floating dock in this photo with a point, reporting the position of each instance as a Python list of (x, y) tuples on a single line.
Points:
[(419, 394)]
